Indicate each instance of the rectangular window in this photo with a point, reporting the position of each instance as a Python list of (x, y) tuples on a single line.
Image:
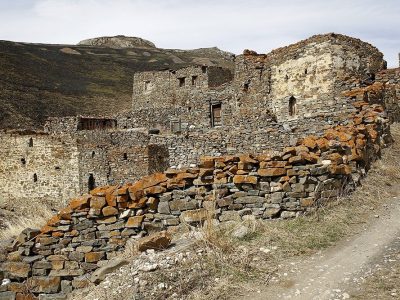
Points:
[(194, 80), (216, 115), (146, 85), (181, 81), (176, 126)]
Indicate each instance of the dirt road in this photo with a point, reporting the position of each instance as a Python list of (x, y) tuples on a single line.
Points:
[(336, 272)]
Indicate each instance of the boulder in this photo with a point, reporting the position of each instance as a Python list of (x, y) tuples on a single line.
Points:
[(157, 241)]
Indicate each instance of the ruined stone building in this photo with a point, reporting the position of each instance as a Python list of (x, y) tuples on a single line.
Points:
[(266, 102)]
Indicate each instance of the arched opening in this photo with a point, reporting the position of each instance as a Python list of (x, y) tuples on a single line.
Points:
[(292, 106), (91, 182), (93, 154), (35, 178), (125, 156), (30, 142)]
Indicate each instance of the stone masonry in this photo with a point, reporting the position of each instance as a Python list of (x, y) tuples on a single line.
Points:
[(92, 230), (266, 103)]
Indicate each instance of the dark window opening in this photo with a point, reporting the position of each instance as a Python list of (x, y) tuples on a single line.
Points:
[(189, 108), (91, 182), (371, 76), (305, 71), (216, 116), (93, 154), (286, 77), (246, 86), (292, 106), (125, 156), (194, 80), (23, 161), (204, 69), (146, 85), (35, 178), (181, 81), (57, 168), (30, 142)]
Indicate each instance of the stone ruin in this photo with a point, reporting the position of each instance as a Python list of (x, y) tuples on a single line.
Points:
[(309, 119)]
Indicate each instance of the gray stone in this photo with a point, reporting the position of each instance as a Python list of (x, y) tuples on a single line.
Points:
[(53, 297), (276, 197), (240, 232), (7, 296), (110, 267), (288, 214), (183, 204), (163, 208), (229, 216), (249, 200)]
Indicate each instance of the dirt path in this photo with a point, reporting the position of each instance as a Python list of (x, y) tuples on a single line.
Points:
[(336, 272)]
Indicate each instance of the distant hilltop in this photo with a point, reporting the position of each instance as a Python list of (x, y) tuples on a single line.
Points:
[(118, 41)]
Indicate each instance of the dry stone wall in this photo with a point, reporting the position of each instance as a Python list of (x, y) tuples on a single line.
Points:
[(94, 228)]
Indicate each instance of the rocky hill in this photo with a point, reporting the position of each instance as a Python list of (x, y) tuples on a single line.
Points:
[(94, 77), (119, 41)]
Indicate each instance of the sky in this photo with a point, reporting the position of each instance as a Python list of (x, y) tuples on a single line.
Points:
[(231, 25)]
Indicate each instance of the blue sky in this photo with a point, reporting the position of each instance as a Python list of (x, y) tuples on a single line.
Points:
[(231, 25)]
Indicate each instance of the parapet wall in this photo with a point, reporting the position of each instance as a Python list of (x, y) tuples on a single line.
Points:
[(276, 184)]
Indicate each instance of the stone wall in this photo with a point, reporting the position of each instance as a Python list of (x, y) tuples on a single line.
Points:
[(311, 73), (37, 166), (55, 167), (297, 81), (277, 184), (186, 148), (385, 90)]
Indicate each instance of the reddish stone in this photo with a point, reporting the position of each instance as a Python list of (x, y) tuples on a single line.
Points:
[(45, 284), (97, 202), (109, 211), (154, 190), (80, 203), (271, 172), (54, 221), (57, 234), (239, 179), (65, 213), (47, 229), (206, 162), (134, 222), (340, 169), (309, 142), (122, 198), (93, 257), (138, 204), (273, 164), (157, 241), (322, 144), (336, 158)]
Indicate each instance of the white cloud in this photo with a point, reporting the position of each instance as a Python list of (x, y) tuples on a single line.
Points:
[(231, 25)]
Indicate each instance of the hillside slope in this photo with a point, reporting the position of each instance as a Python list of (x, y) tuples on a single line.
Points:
[(38, 80)]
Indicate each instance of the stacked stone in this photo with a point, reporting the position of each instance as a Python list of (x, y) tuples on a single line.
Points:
[(94, 228)]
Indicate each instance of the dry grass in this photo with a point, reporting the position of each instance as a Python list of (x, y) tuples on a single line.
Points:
[(32, 216)]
